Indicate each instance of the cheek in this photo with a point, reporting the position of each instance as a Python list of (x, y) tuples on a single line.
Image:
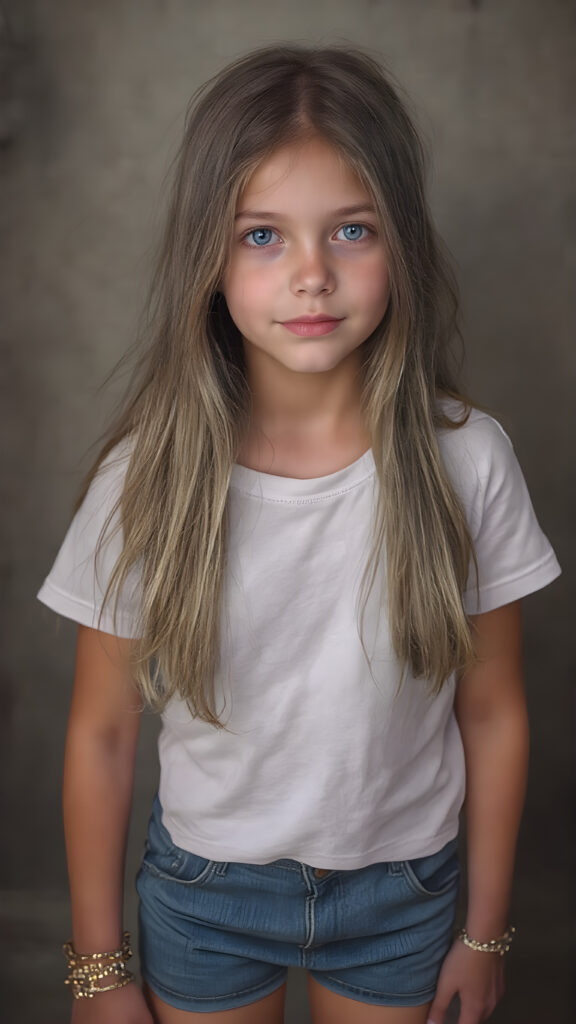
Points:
[(374, 287), (246, 293)]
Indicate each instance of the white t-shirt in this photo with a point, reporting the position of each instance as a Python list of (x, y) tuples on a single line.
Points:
[(323, 759)]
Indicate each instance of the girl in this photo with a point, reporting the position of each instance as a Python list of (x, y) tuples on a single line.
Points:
[(304, 549)]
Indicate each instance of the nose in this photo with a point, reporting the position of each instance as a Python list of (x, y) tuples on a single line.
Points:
[(312, 273)]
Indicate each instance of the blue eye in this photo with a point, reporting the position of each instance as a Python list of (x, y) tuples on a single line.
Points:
[(353, 232), (260, 237)]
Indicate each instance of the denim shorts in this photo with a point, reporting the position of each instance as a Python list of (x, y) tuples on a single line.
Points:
[(216, 936)]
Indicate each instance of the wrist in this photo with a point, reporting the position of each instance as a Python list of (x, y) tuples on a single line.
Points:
[(488, 916), (499, 944), (95, 931), (90, 974), (484, 928)]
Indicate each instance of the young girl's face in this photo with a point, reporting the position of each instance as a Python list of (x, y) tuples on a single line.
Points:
[(307, 278)]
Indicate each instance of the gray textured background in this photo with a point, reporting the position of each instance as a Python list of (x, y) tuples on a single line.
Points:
[(92, 97)]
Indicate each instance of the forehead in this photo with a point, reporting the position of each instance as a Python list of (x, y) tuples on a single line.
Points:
[(299, 171)]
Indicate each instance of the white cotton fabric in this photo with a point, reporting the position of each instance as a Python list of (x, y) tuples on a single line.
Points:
[(323, 758)]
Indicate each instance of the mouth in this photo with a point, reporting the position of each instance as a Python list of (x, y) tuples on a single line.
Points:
[(312, 326)]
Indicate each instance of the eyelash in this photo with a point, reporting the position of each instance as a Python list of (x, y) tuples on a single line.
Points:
[(368, 231)]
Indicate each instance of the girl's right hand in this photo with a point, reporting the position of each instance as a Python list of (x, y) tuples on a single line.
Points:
[(121, 1006)]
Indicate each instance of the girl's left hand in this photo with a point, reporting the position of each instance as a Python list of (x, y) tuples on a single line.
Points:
[(476, 977)]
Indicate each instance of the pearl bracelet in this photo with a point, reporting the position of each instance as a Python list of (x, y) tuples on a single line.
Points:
[(500, 946)]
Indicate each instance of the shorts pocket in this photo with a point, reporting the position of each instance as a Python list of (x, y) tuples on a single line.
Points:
[(179, 866), (434, 875), (163, 859)]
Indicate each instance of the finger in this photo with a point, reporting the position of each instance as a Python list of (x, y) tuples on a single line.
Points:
[(437, 1011), (473, 1012)]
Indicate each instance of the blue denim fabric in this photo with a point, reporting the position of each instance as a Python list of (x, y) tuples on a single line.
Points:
[(215, 936)]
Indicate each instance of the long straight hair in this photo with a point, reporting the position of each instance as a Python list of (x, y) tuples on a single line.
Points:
[(188, 407)]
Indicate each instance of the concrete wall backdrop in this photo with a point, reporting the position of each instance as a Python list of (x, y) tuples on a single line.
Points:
[(91, 109)]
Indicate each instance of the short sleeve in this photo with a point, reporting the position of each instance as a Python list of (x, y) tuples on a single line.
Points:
[(76, 585), (514, 557)]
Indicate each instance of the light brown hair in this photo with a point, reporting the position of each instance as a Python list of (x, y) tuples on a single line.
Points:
[(188, 406)]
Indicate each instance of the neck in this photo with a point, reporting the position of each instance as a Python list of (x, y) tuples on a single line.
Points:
[(304, 424), (284, 399)]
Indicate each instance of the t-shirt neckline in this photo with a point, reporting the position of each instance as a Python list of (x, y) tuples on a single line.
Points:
[(266, 485)]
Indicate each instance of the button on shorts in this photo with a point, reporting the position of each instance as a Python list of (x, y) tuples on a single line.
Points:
[(216, 936)]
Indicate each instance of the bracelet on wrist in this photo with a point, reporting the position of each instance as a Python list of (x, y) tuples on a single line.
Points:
[(500, 945), (91, 973)]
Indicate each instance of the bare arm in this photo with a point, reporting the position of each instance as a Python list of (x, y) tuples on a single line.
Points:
[(98, 779), (491, 711)]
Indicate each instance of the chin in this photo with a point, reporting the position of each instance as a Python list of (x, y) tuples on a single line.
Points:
[(318, 367)]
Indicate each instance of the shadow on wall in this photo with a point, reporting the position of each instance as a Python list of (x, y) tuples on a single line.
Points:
[(15, 81)]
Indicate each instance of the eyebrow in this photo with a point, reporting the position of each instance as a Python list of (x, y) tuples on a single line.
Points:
[(345, 211)]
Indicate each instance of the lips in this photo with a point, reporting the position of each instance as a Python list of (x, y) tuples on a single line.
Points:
[(312, 326), (316, 319)]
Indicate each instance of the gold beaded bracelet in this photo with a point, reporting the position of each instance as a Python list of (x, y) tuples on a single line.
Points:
[(500, 946), (88, 970)]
